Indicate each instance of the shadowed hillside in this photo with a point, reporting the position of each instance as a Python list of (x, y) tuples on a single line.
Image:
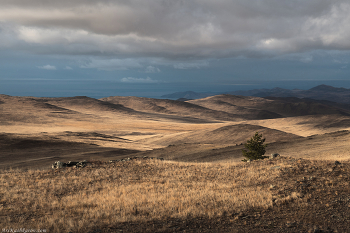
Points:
[(321, 92), (40, 152), (286, 107), (173, 107)]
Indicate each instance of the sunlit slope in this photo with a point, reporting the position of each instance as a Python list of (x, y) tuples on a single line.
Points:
[(222, 135)]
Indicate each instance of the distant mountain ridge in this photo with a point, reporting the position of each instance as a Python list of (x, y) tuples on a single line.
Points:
[(321, 92)]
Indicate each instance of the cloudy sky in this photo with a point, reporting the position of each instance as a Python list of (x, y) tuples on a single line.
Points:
[(148, 48)]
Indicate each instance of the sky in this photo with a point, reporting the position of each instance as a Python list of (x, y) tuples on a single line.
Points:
[(102, 48)]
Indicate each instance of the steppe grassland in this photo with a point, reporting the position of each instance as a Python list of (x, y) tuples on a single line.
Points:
[(144, 134), (138, 190), (301, 125)]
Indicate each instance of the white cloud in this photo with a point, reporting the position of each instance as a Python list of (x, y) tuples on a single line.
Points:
[(68, 68), (47, 67), (138, 80), (152, 69)]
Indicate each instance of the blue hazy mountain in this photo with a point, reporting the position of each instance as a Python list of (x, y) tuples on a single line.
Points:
[(321, 92)]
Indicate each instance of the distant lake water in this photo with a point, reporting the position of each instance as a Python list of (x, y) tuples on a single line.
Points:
[(104, 88)]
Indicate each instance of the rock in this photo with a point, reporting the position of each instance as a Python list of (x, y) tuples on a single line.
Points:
[(239, 216), (113, 161), (249, 160), (274, 155), (337, 163), (291, 224), (81, 164), (59, 164), (318, 230), (71, 164)]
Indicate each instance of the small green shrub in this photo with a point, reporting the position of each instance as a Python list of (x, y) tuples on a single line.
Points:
[(255, 148)]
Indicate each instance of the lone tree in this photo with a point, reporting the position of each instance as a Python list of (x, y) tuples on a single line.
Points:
[(256, 148)]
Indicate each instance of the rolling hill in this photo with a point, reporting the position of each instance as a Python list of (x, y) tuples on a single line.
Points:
[(133, 145), (208, 129)]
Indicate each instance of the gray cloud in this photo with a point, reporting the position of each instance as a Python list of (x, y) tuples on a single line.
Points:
[(47, 67), (112, 64), (174, 29), (138, 80), (191, 65)]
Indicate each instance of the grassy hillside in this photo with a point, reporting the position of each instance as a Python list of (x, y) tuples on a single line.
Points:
[(138, 190), (144, 195)]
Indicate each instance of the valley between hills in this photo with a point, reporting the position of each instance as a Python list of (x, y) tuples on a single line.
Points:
[(198, 184), (35, 132)]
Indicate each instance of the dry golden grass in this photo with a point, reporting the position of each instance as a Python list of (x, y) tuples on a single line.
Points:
[(28, 116), (139, 190), (142, 190), (305, 125)]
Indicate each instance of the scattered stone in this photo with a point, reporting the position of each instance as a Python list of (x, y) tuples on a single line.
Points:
[(59, 164), (274, 155), (291, 224), (81, 164), (337, 163), (129, 159), (318, 230), (113, 161), (71, 164)]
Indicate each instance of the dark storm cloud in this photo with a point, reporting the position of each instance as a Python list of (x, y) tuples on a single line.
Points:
[(175, 29)]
